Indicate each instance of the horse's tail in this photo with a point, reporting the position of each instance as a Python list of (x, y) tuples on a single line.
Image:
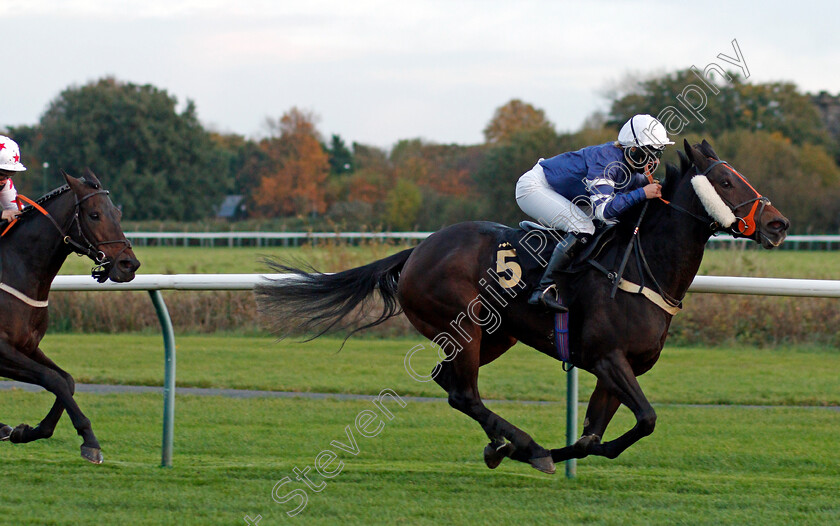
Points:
[(317, 303)]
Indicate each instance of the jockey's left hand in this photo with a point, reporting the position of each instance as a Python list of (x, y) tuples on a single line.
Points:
[(9, 215), (652, 191)]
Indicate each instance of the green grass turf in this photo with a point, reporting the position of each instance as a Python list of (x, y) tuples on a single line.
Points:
[(223, 260), (701, 466), (799, 375)]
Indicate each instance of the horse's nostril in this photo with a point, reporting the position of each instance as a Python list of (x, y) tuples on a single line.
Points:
[(129, 265), (778, 226)]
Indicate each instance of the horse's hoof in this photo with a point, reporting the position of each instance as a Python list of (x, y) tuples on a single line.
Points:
[(92, 455), (494, 453), (17, 434), (5, 432), (544, 464)]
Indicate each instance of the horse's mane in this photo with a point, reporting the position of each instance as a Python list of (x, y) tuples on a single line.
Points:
[(674, 174), (27, 211), (43, 199)]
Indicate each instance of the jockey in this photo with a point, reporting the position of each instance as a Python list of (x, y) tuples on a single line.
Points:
[(568, 191), (9, 165)]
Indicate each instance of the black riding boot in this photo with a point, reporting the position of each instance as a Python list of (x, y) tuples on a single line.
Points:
[(546, 293)]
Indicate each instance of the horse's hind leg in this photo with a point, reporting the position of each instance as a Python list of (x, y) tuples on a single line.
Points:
[(460, 379), (493, 346)]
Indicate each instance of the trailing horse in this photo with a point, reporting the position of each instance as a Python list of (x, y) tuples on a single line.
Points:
[(78, 217), (465, 288)]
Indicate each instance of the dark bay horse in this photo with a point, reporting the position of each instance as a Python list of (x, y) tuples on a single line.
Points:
[(78, 217), (442, 287)]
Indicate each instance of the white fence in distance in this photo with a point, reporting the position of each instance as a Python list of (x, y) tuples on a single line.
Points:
[(235, 239)]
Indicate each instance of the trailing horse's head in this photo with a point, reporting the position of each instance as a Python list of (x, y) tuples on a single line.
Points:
[(99, 231), (732, 201)]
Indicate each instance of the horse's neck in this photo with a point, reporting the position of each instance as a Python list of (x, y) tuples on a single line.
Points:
[(673, 243), (34, 251)]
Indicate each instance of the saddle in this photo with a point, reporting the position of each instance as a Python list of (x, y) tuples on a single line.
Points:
[(530, 247), (520, 260), (602, 238), (522, 255)]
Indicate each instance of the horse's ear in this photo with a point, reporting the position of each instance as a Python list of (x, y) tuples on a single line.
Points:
[(69, 178), (687, 148), (92, 178), (695, 156), (706, 148), (75, 184)]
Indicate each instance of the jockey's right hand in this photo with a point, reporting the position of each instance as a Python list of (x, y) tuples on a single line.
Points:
[(9, 215), (652, 191)]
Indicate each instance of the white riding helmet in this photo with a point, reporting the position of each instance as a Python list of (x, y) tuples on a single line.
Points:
[(643, 130), (10, 155)]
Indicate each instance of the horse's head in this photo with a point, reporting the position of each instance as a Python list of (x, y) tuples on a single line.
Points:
[(99, 233), (731, 200)]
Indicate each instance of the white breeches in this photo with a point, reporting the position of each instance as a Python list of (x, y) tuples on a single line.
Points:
[(537, 199)]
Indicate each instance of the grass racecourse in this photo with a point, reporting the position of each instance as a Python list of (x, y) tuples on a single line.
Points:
[(744, 435)]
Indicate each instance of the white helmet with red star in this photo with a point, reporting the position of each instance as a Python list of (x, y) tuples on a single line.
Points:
[(10, 155)]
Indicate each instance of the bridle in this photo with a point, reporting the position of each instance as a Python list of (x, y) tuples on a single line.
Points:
[(748, 221), (744, 226), (86, 247)]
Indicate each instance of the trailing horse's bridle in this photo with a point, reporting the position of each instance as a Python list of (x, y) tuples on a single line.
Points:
[(89, 249)]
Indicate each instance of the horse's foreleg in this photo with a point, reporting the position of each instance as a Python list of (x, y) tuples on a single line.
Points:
[(46, 427), (21, 368), (458, 373), (618, 379), (600, 410)]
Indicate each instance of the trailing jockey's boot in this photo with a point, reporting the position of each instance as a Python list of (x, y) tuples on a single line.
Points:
[(546, 293)]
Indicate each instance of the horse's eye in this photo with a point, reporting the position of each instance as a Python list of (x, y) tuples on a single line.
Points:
[(726, 184), (94, 216)]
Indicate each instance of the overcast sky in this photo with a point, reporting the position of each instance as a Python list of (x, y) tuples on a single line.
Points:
[(380, 71)]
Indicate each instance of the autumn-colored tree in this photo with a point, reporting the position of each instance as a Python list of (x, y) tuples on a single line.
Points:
[(513, 118), (373, 176), (504, 163), (292, 181), (443, 168)]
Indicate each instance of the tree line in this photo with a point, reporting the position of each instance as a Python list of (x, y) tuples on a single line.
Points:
[(162, 164)]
